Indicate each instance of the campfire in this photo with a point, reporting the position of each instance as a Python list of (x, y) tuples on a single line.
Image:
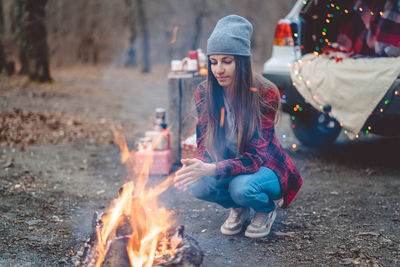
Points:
[(136, 230)]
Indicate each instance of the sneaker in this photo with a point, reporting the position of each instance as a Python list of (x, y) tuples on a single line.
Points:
[(261, 224), (235, 221), (279, 203)]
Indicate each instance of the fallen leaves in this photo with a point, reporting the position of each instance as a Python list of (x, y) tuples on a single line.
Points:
[(19, 128)]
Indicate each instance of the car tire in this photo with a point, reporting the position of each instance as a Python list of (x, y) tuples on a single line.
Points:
[(311, 132)]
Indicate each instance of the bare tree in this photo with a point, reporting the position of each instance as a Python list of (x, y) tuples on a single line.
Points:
[(145, 36), (201, 12), (19, 30), (131, 58), (88, 48), (1, 17), (36, 38), (2, 54)]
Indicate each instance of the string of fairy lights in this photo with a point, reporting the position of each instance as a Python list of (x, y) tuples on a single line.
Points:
[(333, 10)]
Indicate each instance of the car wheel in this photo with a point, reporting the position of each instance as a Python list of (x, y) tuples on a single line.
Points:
[(316, 130)]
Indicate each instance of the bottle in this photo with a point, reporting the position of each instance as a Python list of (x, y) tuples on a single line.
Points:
[(201, 57), (160, 125), (160, 122)]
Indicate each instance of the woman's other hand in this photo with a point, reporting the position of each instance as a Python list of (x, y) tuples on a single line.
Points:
[(192, 171)]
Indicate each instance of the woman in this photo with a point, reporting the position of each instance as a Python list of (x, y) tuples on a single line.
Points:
[(239, 163)]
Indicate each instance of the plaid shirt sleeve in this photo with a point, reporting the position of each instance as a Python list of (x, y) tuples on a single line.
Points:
[(258, 150), (201, 127)]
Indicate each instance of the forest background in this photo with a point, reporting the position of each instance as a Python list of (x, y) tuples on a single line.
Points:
[(136, 33)]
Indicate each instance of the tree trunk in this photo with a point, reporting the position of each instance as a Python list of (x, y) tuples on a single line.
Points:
[(88, 48), (131, 55), (145, 36), (36, 39), (20, 33), (1, 18), (2, 54), (8, 66), (201, 12)]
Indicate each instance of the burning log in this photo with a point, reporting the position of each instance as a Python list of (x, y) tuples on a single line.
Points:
[(186, 251), (116, 255), (136, 231)]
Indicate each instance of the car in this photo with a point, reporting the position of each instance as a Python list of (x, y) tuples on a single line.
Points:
[(318, 27)]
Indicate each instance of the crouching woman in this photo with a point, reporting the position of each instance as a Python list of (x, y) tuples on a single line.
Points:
[(239, 163)]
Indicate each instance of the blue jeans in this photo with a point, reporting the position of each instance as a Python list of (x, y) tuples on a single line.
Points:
[(256, 190)]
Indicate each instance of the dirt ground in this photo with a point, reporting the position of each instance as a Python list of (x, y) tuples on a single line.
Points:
[(58, 165)]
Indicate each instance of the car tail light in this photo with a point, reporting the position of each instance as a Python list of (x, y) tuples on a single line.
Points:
[(282, 94), (283, 34)]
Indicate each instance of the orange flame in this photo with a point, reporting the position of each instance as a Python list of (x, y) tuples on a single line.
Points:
[(138, 204)]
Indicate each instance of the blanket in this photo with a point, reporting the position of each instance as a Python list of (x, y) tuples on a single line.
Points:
[(371, 29), (353, 87)]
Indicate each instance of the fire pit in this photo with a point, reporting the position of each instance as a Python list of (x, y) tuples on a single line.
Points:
[(136, 230), (185, 250)]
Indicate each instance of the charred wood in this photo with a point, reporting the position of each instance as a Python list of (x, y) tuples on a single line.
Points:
[(187, 251)]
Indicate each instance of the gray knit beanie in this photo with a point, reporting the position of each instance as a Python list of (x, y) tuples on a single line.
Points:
[(231, 36)]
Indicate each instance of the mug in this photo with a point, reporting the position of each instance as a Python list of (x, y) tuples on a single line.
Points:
[(193, 55), (159, 139), (192, 65), (144, 144), (176, 65)]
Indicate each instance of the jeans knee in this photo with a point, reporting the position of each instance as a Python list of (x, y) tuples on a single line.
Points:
[(242, 196)]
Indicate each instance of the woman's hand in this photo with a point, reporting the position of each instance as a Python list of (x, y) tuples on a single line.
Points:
[(192, 171)]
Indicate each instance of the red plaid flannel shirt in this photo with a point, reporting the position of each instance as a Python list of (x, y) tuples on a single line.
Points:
[(265, 151)]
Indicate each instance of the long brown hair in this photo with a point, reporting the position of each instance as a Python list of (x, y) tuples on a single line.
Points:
[(247, 108)]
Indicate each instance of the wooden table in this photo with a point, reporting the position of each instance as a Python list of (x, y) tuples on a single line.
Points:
[(181, 114)]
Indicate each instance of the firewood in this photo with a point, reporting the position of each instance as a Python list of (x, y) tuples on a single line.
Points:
[(187, 253), (117, 255)]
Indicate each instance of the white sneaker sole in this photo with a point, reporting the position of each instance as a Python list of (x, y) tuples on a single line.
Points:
[(229, 232), (263, 234), (225, 231)]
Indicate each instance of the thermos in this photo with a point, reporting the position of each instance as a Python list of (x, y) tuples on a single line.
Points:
[(160, 120)]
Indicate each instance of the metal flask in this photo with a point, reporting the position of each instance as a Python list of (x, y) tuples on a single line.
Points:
[(160, 121)]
